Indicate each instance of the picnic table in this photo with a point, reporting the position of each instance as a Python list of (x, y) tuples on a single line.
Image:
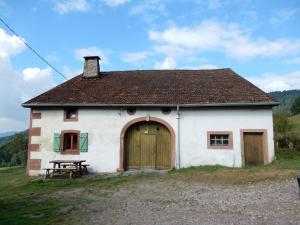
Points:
[(76, 163), (71, 167)]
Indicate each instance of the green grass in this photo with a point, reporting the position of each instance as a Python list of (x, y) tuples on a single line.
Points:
[(26, 200), (286, 165)]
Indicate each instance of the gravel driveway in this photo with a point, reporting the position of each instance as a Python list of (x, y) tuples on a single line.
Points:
[(170, 201)]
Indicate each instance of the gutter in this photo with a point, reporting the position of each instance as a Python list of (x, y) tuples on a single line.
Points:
[(234, 104), (178, 164)]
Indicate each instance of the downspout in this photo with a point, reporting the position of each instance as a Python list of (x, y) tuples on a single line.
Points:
[(178, 138)]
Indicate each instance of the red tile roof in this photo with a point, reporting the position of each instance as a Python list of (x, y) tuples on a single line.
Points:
[(160, 87)]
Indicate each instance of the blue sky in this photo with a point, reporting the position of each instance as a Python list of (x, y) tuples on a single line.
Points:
[(258, 39)]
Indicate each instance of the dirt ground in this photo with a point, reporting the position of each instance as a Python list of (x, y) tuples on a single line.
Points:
[(172, 201)]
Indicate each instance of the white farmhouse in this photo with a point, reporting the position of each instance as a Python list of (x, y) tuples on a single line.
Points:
[(159, 119)]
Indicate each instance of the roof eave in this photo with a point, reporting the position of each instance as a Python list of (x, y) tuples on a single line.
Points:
[(233, 104)]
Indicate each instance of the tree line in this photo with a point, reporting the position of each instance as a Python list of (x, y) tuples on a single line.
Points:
[(14, 151)]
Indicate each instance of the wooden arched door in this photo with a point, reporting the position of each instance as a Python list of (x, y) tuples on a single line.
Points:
[(147, 145)]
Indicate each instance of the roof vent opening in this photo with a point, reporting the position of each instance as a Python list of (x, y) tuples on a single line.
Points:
[(91, 67)]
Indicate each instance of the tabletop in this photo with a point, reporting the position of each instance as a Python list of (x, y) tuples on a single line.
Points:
[(67, 161)]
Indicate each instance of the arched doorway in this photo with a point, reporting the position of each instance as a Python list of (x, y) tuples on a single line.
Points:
[(147, 143)]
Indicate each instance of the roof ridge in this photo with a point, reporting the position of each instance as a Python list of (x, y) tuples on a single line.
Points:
[(166, 70)]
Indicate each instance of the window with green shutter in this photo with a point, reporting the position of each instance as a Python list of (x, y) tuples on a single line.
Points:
[(56, 142), (83, 142)]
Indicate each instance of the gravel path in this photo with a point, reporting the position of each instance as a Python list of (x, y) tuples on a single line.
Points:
[(169, 201)]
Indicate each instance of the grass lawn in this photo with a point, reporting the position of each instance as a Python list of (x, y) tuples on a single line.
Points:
[(26, 200)]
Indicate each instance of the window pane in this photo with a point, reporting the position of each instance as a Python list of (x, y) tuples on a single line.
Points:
[(70, 141), (67, 141), (75, 141), (70, 114)]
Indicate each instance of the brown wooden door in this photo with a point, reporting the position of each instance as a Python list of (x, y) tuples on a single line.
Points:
[(147, 145), (253, 148), (148, 150)]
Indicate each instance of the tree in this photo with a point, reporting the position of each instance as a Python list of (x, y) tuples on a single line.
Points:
[(14, 151), (295, 109), (282, 127), (281, 123)]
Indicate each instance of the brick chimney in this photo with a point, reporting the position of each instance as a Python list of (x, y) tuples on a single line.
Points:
[(91, 67)]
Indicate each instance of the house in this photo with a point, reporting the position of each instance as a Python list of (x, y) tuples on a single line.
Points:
[(160, 119)]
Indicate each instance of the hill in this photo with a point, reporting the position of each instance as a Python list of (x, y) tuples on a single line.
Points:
[(285, 98), (13, 149), (4, 140)]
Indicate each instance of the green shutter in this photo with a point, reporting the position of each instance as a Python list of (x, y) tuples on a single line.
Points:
[(83, 142), (56, 142)]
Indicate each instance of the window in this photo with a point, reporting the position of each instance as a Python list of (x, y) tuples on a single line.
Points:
[(70, 143), (219, 140), (71, 115)]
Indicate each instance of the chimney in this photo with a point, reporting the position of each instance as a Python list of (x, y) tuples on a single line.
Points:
[(91, 67)]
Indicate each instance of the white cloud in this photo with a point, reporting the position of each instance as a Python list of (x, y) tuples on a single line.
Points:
[(277, 82), (168, 63), (135, 57), (293, 61), (93, 51), (16, 87), (9, 44), (115, 2), (71, 6), (35, 73), (215, 36)]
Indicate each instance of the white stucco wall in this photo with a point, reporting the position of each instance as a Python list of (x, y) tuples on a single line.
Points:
[(104, 127), (194, 125)]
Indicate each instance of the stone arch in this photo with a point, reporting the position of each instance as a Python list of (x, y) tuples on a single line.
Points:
[(142, 119)]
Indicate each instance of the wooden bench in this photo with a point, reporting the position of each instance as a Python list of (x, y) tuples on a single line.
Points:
[(71, 171)]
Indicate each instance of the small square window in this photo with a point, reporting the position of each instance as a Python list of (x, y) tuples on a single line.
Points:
[(71, 115), (219, 140)]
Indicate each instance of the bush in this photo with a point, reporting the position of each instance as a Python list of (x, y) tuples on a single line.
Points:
[(289, 140), (293, 140)]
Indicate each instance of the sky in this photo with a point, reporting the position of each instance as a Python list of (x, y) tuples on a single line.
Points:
[(259, 39)]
